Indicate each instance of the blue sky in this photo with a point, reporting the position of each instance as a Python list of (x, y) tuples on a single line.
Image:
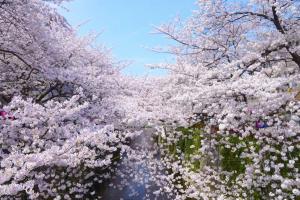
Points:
[(126, 27)]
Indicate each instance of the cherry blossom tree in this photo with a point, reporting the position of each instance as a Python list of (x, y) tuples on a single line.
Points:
[(61, 124), (227, 116), (236, 80)]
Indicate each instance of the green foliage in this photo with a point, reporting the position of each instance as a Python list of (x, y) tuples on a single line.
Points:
[(231, 149), (188, 145), (233, 153)]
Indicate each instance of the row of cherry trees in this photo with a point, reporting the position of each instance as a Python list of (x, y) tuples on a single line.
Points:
[(67, 110), (61, 121), (236, 78)]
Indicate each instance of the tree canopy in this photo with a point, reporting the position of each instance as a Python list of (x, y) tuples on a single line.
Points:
[(226, 117)]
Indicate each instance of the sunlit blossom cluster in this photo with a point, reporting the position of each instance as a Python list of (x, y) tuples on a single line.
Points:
[(60, 124), (225, 120), (228, 114)]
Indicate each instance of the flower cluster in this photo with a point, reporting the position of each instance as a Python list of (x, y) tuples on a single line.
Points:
[(60, 124), (235, 88)]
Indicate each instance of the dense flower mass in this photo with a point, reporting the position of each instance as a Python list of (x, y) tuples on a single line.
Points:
[(226, 118), (59, 120), (236, 85)]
